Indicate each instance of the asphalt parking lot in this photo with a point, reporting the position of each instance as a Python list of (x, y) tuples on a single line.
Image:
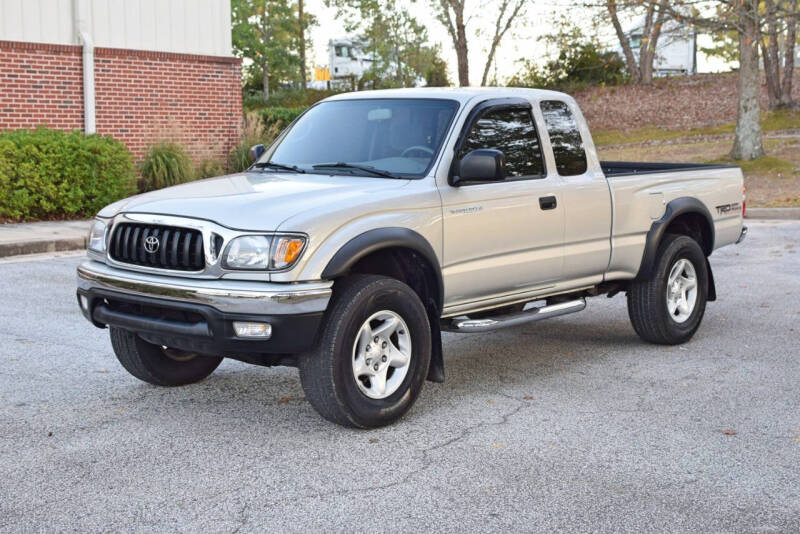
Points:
[(571, 424)]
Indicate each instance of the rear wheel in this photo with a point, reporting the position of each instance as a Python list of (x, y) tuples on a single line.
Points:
[(668, 307), (373, 354), (161, 366)]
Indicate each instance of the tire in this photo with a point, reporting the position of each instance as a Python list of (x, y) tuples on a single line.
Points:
[(159, 366), (363, 305), (649, 307)]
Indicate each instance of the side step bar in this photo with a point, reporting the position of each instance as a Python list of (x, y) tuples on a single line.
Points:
[(465, 324)]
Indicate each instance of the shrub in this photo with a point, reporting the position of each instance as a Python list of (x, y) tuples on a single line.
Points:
[(254, 133), (279, 117), (165, 164), (209, 168), (47, 174)]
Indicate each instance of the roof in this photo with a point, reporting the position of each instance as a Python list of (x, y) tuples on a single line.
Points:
[(461, 94)]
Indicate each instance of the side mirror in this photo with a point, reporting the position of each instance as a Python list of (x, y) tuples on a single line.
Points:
[(481, 165), (255, 152)]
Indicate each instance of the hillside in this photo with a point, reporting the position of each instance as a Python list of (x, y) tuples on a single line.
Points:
[(673, 103)]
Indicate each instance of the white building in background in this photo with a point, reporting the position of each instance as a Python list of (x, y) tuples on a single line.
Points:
[(676, 51)]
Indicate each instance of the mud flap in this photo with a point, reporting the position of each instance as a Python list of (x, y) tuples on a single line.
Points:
[(436, 369), (712, 288)]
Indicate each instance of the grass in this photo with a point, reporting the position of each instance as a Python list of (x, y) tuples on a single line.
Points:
[(770, 121)]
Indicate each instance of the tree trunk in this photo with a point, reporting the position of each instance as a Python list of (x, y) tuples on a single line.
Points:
[(462, 53), (630, 61), (788, 60), (265, 82), (769, 48), (649, 43), (748, 143), (302, 45)]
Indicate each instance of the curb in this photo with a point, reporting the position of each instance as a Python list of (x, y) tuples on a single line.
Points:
[(773, 213), (40, 246)]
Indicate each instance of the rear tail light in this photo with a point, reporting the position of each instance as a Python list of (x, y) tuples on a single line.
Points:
[(744, 200)]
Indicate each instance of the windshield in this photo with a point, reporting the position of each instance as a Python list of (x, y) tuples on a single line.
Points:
[(400, 137)]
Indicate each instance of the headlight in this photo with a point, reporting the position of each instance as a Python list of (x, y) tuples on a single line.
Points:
[(248, 252), (97, 237), (260, 252)]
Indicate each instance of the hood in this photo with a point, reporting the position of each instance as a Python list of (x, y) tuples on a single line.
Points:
[(258, 201)]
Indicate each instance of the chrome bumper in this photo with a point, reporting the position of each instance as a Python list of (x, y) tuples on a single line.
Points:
[(229, 296), (742, 235)]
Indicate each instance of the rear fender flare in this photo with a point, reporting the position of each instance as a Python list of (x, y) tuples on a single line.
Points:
[(675, 208)]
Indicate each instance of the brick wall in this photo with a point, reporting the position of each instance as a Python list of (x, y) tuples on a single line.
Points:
[(141, 96)]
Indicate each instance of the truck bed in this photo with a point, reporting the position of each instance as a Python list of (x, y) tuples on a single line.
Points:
[(625, 168)]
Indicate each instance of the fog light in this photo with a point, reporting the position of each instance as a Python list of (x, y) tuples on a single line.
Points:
[(84, 303), (263, 330)]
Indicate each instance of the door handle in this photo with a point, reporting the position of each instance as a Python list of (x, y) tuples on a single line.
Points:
[(548, 203)]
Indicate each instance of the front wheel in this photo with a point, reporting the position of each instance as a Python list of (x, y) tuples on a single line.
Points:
[(373, 353), (668, 307), (161, 366)]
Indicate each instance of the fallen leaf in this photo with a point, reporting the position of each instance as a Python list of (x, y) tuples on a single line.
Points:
[(528, 397), (796, 440), (373, 440), (284, 400), (497, 445), (490, 401), (729, 432)]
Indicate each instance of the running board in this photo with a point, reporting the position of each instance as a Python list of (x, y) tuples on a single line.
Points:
[(465, 324)]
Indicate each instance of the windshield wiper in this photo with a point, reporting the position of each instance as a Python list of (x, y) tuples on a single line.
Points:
[(281, 166), (366, 168)]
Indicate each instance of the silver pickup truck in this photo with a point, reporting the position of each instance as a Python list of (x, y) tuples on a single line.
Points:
[(378, 219)]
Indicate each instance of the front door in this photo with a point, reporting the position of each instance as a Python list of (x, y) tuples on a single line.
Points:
[(503, 237)]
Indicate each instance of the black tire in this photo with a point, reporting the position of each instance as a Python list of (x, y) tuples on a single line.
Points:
[(326, 373), (155, 365), (647, 299)]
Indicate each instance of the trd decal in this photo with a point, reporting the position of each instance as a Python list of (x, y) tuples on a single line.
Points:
[(727, 208)]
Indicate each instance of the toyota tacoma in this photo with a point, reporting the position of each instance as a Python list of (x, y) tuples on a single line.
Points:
[(378, 219)]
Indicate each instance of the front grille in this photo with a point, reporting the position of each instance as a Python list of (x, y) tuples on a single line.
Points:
[(173, 248)]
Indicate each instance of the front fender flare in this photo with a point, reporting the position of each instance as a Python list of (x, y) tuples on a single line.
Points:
[(381, 238)]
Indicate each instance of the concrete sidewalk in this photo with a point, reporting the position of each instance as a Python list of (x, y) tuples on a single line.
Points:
[(48, 236)]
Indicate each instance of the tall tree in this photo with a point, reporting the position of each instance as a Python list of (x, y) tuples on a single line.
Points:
[(640, 70), (507, 14), (301, 40), (265, 32), (771, 54), (395, 41), (451, 14), (743, 17), (454, 17), (788, 62)]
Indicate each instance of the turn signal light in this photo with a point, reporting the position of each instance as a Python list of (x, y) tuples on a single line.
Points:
[(286, 251)]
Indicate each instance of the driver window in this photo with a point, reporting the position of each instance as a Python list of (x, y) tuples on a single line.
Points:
[(512, 132)]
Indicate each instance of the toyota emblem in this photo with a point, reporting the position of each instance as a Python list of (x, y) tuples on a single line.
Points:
[(151, 244)]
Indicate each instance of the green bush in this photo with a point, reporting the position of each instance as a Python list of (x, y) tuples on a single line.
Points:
[(209, 168), (284, 98), (254, 133), (165, 164), (47, 174), (279, 117)]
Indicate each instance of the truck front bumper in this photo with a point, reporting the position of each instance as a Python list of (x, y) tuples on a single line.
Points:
[(198, 314)]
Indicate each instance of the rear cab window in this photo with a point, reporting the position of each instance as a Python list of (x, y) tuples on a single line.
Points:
[(512, 131), (565, 138)]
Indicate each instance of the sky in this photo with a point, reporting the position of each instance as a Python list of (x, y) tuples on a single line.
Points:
[(523, 44)]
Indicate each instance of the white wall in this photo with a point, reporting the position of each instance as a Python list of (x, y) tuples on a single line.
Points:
[(185, 26)]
